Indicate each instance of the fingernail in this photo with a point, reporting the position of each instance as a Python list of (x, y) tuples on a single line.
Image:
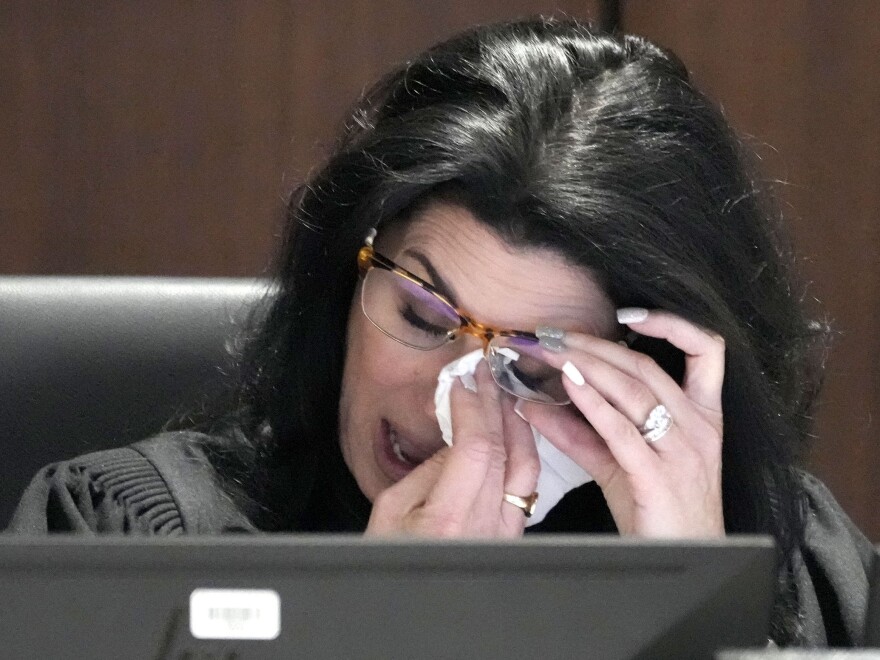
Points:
[(627, 315), (551, 339), (552, 345), (468, 381), (573, 374), (517, 408)]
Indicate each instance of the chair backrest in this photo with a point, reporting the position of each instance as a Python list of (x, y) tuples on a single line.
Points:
[(89, 363)]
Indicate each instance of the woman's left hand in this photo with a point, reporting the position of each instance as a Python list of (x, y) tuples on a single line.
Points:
[(668, 488)]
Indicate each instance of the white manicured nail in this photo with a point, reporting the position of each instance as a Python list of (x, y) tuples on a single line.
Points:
[(573, 374), (626, 315), (516, 409)]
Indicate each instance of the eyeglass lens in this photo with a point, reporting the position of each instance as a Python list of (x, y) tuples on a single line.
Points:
[(405, 311), (518, 369)]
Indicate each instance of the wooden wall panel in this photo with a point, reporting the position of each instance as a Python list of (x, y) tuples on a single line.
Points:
[(803, 79), (161, 137), (143, 137)]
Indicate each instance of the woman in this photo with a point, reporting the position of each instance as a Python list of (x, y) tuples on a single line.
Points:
[(530, 187)]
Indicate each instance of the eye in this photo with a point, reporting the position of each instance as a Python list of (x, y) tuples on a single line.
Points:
[(412, 317)]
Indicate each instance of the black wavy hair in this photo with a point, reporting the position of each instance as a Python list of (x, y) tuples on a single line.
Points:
[(592, 145)]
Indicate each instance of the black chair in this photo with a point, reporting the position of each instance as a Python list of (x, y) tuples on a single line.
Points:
[(89, 363)]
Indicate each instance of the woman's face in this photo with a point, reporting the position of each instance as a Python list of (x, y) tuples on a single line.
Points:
[(388, 388)]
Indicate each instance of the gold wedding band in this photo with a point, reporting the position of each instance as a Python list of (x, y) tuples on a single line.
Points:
[(527, 504)]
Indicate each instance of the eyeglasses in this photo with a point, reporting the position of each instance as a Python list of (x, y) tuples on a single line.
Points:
[(411, 311)]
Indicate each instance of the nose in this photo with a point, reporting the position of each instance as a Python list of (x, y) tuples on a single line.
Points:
[(467, 343)]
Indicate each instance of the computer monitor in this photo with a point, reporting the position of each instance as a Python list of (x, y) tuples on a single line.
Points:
[(322, 596)]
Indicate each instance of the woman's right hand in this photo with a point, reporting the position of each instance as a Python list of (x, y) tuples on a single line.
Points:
[(459, 491)]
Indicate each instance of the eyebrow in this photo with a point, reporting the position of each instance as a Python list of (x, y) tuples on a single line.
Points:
[(436, 279)]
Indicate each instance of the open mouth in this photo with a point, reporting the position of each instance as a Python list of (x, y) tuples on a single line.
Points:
[(398, 450), (399, 453)]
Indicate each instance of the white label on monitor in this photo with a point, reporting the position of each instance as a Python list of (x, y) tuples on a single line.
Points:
[(234, 614)]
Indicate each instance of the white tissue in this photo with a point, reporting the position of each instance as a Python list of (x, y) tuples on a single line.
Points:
[(559, 474)]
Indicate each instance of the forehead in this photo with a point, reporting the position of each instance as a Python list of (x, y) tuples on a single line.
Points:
[(495, 283)]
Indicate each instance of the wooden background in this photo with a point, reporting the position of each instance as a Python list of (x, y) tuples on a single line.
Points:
[(161, 138)]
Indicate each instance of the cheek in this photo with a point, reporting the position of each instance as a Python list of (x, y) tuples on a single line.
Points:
[(375, 363)]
